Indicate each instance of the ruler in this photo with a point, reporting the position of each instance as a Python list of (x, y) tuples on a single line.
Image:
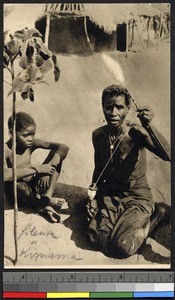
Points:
[(85, 284)]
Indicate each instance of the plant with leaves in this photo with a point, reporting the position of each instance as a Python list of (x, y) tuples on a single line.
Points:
[(34, 59), (26, 48)]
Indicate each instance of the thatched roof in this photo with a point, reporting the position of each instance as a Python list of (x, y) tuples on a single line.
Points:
[(68, 8), (104, 15), (107, 15)]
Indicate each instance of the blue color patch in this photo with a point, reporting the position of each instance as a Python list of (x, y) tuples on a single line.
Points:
[(154, 294)]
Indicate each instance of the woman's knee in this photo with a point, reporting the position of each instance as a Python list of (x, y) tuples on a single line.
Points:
[(124, 247), (128, 244)]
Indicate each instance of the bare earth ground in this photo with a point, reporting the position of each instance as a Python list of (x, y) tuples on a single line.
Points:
[(68, 112)]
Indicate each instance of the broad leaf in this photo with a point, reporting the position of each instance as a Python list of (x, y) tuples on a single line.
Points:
[(32, 33), (26, 87), (20, 34), (24, 95), (31, 95), (13, 47), (26, 91), (46, 67), (57, 73), (5, 59), (44, 56), (23, 47), (40, 46), (23, 62), (17, 85), (39, 60), (31, 72), (56, 67), (29, 51)]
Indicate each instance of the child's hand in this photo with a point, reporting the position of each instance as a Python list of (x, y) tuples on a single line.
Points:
[(145, 114), (45, 169), (43, 184)]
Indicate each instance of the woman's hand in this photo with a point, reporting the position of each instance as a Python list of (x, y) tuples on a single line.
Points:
[(137, 131), (145, 114)]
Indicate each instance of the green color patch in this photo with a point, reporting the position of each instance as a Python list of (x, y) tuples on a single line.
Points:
[(108, 295)]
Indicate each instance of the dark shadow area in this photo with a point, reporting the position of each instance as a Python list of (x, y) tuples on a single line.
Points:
[(77, 200), (121, 37), (162, 235), (100, 39), (150, 255), (8, 205), (67, 35), (41, 26)]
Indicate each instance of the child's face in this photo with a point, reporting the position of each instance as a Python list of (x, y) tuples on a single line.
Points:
[(115, 110), (25, 137)]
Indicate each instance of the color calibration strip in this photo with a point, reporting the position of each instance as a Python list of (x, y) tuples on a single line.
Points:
[(76, 295), (89, 285)]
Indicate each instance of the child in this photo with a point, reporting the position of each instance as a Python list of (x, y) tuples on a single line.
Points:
[(35, 184), (121, 215)]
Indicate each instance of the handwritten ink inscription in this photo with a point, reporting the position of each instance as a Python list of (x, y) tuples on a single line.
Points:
[(29, 253), (32, 231)]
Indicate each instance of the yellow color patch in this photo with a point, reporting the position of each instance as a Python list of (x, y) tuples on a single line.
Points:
[(68, 295)]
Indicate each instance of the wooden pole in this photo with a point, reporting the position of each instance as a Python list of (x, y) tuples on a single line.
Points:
[(148, 31), (47, 30), (158, 36), (86, 33), (140, 37), (127, 33), (132, 34), (14, 172)]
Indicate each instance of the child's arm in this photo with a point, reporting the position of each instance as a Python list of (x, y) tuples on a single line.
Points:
[(60, 150), (24, 172)]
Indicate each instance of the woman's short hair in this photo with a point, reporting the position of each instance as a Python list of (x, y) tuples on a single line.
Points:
[(116, 90)]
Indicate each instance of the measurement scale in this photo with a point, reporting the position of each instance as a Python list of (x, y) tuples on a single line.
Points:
[(125, 285)]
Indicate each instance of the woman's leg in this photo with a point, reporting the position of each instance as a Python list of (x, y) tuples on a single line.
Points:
[(130, 231)]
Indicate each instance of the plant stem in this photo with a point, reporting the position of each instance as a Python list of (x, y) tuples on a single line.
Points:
[(14, 171), (7, 82), (7, 68)]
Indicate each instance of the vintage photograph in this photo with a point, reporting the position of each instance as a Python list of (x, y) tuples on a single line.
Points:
[(87, 135)]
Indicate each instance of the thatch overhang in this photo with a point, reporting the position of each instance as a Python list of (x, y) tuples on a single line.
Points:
[(65, 10), (106, 16)]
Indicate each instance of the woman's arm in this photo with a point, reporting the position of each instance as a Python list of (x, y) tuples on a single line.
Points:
[(151, 138), (97, 169)]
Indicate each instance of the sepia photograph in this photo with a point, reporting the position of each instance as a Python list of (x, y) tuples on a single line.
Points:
[(87, 111)]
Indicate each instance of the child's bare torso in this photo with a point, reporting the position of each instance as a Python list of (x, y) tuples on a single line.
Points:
[(23, 160)]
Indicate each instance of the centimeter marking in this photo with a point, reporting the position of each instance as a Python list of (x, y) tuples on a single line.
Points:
[(87, 277)]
